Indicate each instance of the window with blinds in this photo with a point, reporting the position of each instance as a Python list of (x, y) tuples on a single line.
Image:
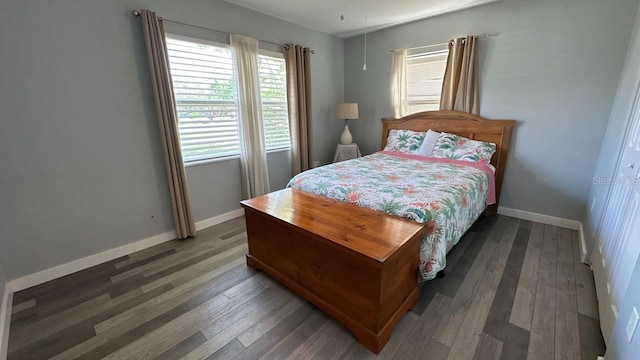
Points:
[(425, 72), (205, 93), (273, 93)]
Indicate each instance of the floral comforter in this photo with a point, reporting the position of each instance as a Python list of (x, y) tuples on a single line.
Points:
[(446, 195)]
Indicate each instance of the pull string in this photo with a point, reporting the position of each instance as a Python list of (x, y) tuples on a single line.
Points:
[(366, 27)]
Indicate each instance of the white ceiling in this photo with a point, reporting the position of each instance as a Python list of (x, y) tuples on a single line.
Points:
[(324, 15)]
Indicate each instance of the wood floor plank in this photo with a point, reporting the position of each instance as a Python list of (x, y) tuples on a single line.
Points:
[(91, 349), (101, 339), (248, 313), (466, 250), (179, 329), (465, 343), (497, 263), (54, 289), (479, 233), (565, 248), (22, 306), (435, 351), (253, 333), (454, 317), (245, 286), (312, 346), (585, 283), (179, 295), (417, 340), (129, 264), (542, 340), (228, 351), (220, 262), (164, 263), (222, 335), (357, 352), (150, 253), (46, 347), (399, 335), (204, 255), (232, 233), (336, 347), (267, 341), (567, 341), (591, 342), (525, 293), (184, 347), (55, 323), (291, 342), (515, 339), (489, 348)]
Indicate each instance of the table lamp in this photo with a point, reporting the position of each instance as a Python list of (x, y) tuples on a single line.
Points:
[(346, 111)]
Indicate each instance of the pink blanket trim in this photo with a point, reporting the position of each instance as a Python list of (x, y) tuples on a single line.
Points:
[(491, 195)]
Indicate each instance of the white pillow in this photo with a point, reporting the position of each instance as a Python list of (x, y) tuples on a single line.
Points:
[(429, 142)]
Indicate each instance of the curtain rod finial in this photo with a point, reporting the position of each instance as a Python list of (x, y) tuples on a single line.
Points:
[(135, 13)]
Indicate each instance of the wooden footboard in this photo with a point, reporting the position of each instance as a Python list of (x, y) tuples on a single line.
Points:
[(357, 265)]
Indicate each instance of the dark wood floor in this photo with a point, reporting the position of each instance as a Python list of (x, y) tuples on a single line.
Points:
[(513, 290)]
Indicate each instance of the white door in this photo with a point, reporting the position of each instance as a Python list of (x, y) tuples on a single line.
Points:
[(618, 238)]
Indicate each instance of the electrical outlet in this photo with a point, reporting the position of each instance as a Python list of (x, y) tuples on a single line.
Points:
[(632, 324), (316, 163)]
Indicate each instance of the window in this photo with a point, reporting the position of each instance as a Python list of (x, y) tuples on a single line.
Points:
[(205, 94), (425, 72), (273, 92)]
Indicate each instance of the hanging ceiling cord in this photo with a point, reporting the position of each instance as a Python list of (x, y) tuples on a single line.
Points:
[(366, 27)]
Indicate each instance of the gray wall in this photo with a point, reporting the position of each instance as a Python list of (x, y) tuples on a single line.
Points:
[(82, 170), (613, 138), (553, 66)]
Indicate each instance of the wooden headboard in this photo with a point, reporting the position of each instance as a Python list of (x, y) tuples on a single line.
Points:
[(463, 124)]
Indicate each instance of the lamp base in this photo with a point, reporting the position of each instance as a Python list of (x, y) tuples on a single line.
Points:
[(346, 138)]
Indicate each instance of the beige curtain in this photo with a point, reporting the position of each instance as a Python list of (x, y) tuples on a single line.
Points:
[(459, 88), (298, 60), (398, 98), (168, 121), (253, 153)]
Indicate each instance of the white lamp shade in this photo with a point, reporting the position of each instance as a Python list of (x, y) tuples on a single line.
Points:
[(347, 111)]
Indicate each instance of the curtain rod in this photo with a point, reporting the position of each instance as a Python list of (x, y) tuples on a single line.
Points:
[(481, 36), (136, 13)]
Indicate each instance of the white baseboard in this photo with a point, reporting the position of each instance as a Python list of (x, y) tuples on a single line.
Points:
[(541, 218), (583, 246), (206, 223), (89, 261), (5, 320)]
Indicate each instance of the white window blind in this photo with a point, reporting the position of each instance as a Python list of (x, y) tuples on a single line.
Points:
[(425, 72), (204, 90), (205, 93), (273, 92)]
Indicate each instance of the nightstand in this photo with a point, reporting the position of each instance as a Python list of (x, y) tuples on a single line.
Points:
[(346, 152)]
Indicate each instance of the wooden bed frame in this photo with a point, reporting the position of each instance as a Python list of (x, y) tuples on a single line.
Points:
[(356, 264)]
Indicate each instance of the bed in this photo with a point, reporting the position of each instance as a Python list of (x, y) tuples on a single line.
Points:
[(447, 196), (392, 188)]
